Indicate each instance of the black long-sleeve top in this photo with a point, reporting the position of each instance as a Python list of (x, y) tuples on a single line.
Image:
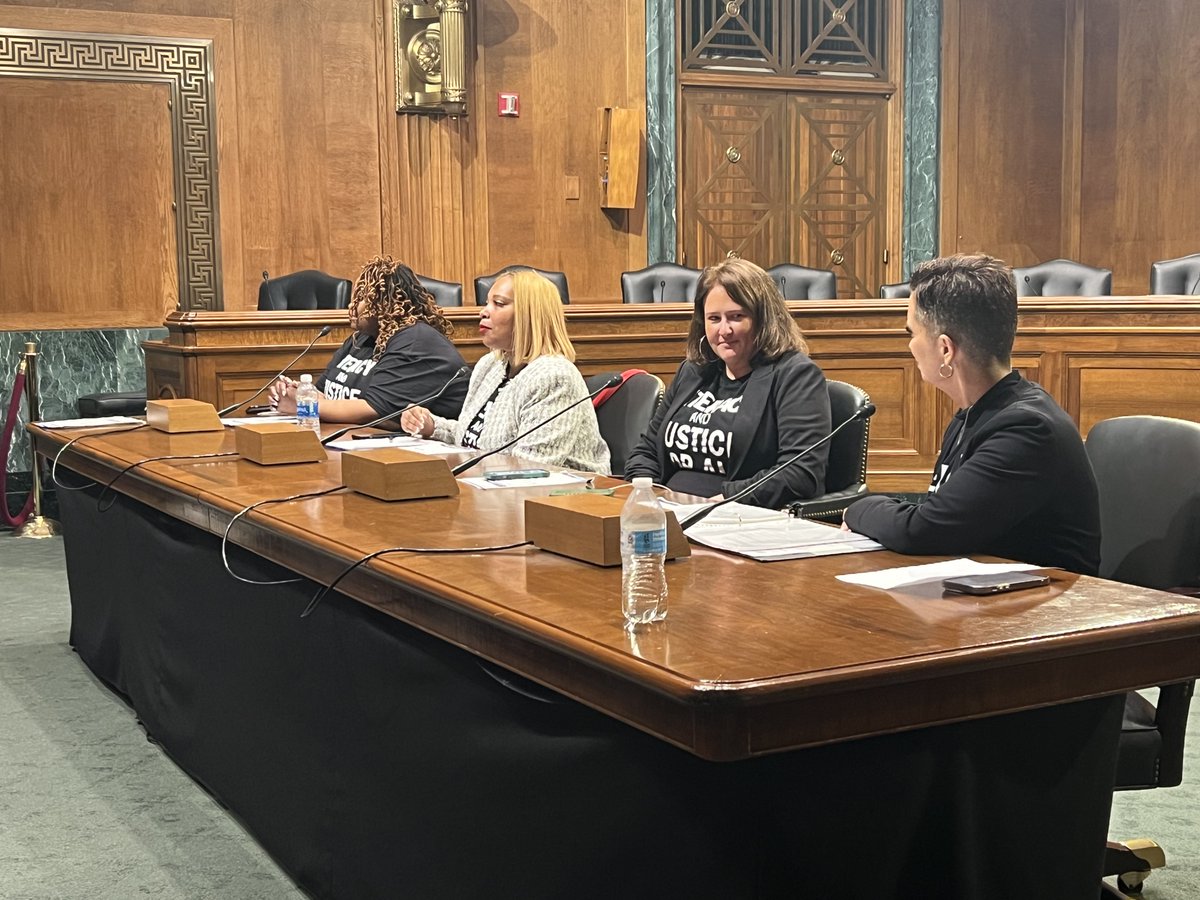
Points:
[(1012, 480)]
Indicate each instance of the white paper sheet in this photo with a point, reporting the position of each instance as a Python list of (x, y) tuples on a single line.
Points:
[(890, 579), (768, 535), (403, 441), (255, 420), (554, 479)]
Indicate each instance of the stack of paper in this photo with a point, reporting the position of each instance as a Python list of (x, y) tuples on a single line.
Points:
[(97, 422), (767, 535)]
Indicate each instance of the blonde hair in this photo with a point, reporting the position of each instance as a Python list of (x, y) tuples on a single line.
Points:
[(751, 288), (539, 325)]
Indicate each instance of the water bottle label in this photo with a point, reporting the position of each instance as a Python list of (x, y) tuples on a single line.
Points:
[(649, 541), (306, 409)]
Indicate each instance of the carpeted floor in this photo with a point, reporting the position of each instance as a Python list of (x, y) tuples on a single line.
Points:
[(90, 809)]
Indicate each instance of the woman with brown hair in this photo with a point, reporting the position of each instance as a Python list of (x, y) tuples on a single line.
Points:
[(399, 352), (746, 398)]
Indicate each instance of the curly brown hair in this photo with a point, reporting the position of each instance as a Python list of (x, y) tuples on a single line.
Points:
[(391, 293)]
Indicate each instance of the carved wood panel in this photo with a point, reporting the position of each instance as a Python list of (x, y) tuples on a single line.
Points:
[(838, 211), (780, 177), (735, 184)]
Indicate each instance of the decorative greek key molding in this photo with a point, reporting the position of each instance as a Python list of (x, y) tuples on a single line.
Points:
[(185, 66)]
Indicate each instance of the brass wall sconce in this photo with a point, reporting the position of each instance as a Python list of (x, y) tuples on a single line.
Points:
[(431, 57)]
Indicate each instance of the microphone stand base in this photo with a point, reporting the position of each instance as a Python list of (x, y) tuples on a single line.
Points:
[(38, 527)]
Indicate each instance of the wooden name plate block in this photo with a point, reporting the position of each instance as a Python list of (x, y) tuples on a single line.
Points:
[(277, 443), (178, 416), (395, 474), (588, 527)]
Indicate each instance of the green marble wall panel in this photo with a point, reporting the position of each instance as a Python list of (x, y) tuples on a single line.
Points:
[(922, 106), (71, 364), (661, 227)]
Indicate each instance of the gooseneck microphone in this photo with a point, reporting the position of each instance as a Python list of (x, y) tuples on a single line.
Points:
[(616, 381), (462, 370), (227, 410), (1033, 291), (1195, 284), (865, 413)]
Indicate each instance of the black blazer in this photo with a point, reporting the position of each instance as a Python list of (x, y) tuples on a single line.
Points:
[(785, 408), (1012, 480)]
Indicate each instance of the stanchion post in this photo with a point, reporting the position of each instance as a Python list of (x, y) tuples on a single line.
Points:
[(37, 525)]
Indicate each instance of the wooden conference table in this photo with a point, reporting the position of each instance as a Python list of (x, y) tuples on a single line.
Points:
[(401, 741)]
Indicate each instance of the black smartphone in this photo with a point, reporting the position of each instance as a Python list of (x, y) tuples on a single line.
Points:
[(996, 583), (259, 410)]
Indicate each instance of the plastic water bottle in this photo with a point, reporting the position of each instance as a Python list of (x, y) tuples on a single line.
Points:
[(307, 409), (643, 551)]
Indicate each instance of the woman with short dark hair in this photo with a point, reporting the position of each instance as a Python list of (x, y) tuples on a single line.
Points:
[(1013, 478), (746, 398)]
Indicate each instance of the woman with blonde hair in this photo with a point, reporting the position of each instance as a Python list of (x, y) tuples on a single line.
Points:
[(746, 398), (528, 377), (399, 353)]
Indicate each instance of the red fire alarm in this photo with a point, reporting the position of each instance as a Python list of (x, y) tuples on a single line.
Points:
[(508, 104)]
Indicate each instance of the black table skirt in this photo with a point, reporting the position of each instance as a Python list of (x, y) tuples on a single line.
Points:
[(373, 760)]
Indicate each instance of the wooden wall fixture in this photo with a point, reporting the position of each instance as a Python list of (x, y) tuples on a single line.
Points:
[(184, 67), (431, 57), (787, 116), (620, 150)]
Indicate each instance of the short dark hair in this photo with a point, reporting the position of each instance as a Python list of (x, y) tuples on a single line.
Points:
[(751, 288), (972, 300)]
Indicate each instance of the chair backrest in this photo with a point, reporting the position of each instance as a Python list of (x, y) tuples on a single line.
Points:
[(1062, 278), (1176, 276), (484, 283), (446, 293), (625, 415), (803, 283), (896, 291), (848, 450), (663, 282), (306, 289), (1148, 472)]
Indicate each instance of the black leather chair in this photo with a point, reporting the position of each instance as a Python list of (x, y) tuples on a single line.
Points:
[(1148, 470), (307, 289), (660, 283), (803, 283), (119, 403), (1062, 278), (484, 283), (626, 413), (446, 293), (1176, 276), (846, 474), (897, 291)]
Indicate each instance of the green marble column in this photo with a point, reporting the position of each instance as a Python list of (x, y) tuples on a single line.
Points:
[(71, 364), (661, 227), (922, 98)]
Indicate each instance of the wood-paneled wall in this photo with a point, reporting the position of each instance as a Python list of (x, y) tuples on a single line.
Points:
[(1069, 129), (315, 169)]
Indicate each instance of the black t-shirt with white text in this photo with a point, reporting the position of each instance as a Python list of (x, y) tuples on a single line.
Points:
[(417, 362), (699, 437)]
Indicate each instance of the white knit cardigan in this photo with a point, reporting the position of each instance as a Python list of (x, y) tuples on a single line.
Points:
[(545, 386)]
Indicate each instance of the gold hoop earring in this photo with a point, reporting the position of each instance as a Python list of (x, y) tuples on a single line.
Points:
[(942, 370)]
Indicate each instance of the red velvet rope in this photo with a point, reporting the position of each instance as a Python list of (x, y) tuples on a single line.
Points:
[(10, 424)]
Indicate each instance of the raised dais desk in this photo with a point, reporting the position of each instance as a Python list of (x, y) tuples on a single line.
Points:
[(1099, 357), (401, 741)]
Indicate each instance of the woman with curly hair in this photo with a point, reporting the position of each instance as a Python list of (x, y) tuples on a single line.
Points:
[(399, 352)]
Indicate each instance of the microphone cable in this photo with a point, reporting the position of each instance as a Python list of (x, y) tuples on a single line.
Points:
[(221, 413), (141, 462), (865, 413), (58, 485), (614, 381), (320, 594), (462, 370), (253, 506)]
